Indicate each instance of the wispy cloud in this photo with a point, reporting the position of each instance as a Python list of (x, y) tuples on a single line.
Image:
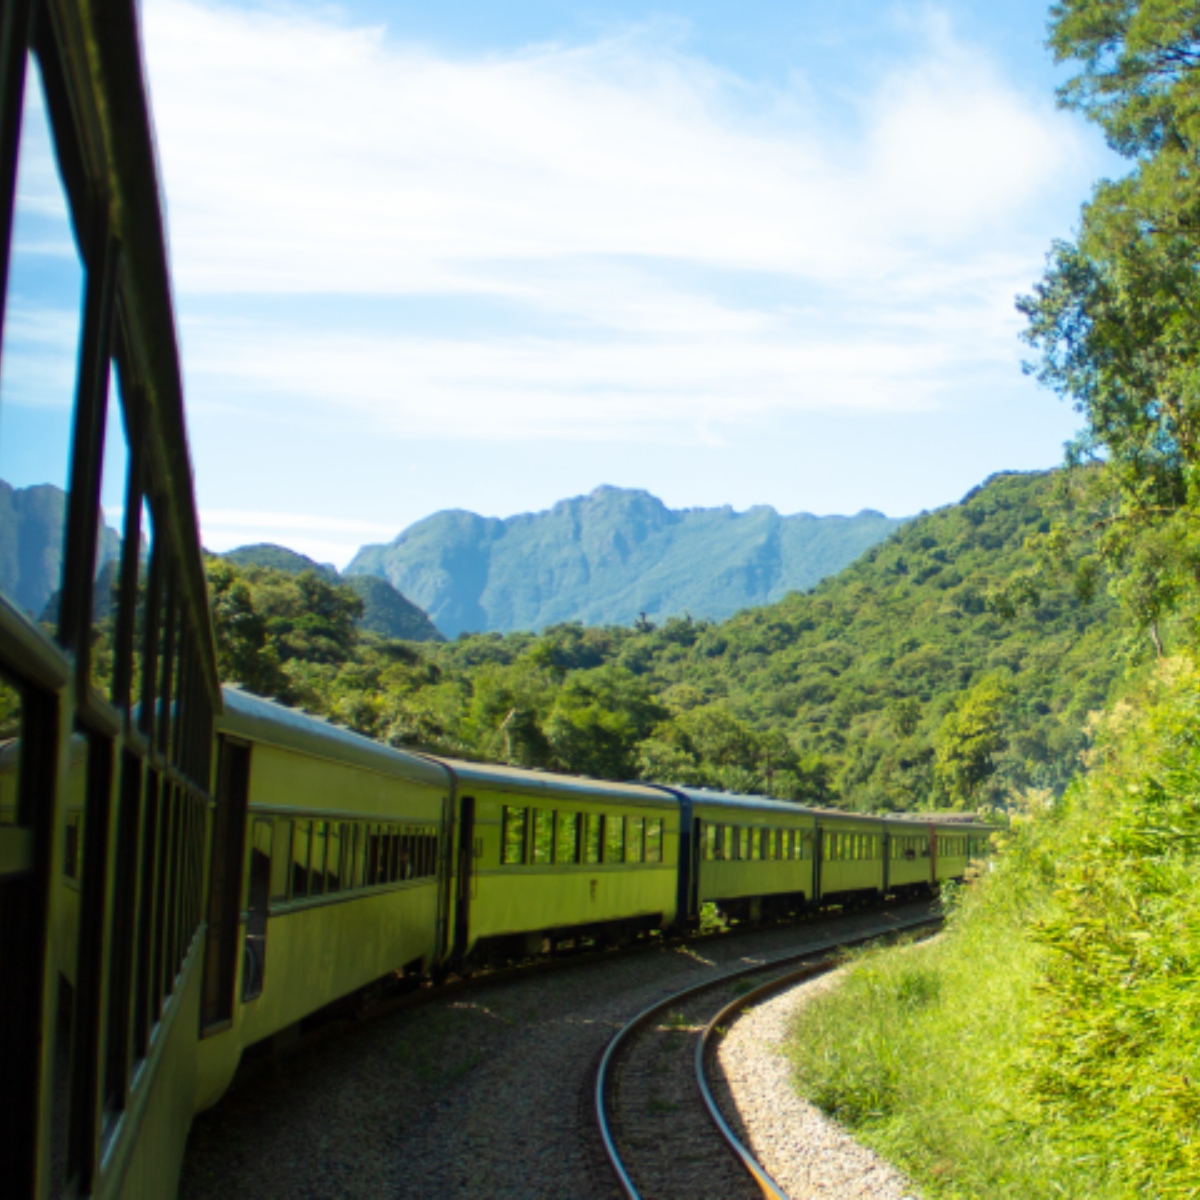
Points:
[(669, 246)]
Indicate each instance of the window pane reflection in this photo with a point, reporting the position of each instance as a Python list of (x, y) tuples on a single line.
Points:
[(37, 370), (113, 482), (10, 751)]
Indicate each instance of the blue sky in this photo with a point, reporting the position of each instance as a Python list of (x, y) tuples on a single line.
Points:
[(489, 256)]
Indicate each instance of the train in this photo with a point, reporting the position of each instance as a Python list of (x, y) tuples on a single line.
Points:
[(346, 861), (187, 872)]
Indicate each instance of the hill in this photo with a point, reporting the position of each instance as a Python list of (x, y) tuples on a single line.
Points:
[(279, 558), (609, 556), (895, 684), (385, 611)]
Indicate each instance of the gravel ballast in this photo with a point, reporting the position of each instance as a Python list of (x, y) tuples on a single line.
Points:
[(806, 1153)]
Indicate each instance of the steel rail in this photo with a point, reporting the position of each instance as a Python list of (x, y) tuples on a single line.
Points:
[(828, 956)]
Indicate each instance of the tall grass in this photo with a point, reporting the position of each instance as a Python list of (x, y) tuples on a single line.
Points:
[(1049, 1043)]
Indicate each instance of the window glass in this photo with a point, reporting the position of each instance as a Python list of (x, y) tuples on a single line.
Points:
[(635, 833), (113, 483), (513, 850), (10, 751), (356, 855), (566, 848), (710, 842), (38, 359), (744, 844), (543, 835), (281, 860), (614, 839), (333, 858), (654, 832), (592, 831), (300, 840), (73, 845), (316, 862), (755, 843)]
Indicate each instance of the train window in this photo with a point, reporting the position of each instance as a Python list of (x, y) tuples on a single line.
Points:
[(316, 860), (333, 858), (614, 839), (592, 838), (709, 842), (756, 843), (543, 835), (41, 333), (301, 834), (281, 859), (71, 850), (10, 751), (513, 848), (743, 844), (654, 839), (352, 855), (725, 843), (371, 854), (635, 835), (566, 847), (114, 480)]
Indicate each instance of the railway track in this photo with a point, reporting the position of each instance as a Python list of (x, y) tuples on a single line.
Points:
[(662, 1128)]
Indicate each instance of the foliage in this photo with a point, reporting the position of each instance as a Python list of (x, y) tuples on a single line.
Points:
[(895, 685), (1115, 318), (1047, 1044)]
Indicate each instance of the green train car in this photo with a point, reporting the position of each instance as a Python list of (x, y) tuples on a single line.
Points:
[(328, 873), (546, 860)]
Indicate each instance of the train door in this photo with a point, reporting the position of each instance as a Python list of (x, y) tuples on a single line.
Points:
[(258, 892), (225, 884)]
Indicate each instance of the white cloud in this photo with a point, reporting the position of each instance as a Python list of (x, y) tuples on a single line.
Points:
[(629, 195), (324, 539)]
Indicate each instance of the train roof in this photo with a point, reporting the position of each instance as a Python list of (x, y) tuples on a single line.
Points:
[(521, 779), (733, 800), (259, 720)]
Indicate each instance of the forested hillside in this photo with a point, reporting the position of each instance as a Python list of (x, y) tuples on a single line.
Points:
[(609, 556), (896, 684), (384, 610)]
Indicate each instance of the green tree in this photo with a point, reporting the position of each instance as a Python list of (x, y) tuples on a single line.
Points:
[(1116, 318), (969, 739)]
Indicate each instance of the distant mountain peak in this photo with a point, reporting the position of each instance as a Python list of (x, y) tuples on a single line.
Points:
[(607, 556)]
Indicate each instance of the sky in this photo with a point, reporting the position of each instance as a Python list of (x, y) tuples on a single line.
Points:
[(483, 256)]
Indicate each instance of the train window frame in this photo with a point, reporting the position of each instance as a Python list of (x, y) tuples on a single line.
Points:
[(635, 839), (541, 839), (654, 839), (513, 835), (566, 838), (593, 833), (614, 838)]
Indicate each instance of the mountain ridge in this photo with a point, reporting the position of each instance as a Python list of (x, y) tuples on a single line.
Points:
[(610, 555)]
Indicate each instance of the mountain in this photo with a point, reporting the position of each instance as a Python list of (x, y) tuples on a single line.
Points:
[(609, 556), (386, 611), (32, 520)]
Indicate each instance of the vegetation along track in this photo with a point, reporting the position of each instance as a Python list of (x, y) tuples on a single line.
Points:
[(663, 1130)]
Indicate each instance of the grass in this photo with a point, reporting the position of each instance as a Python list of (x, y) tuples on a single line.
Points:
[(1048, 1044)]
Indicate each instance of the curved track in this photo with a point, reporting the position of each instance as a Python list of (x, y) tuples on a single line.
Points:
[(672, 1149)]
